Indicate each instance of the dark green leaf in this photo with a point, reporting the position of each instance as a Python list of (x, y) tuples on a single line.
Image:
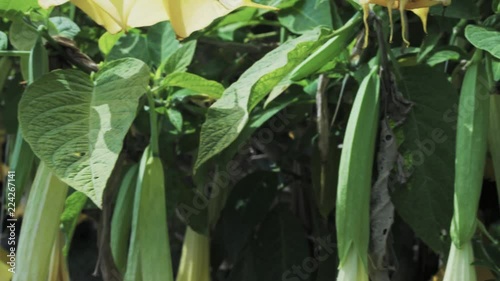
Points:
[(428, 147)]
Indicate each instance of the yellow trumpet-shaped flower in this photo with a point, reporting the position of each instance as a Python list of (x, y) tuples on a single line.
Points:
[(419, 7), (117, 15), (186, 16)]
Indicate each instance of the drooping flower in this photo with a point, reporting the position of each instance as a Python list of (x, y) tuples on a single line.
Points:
[(419, 7), (186, 16)]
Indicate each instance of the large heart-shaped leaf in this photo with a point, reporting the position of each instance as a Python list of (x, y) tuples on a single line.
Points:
[(76, 124)]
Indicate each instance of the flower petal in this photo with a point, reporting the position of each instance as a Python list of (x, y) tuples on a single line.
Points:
[(459, 266), (188, 16), (49, 3), (422, 13)]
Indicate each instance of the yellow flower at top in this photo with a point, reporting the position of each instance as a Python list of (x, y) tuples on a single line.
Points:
[(419, 7), (186, 16)]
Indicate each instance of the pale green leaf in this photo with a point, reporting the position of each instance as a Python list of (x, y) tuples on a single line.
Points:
[(162, 42), (22, 36), (77, 125), (484, 39), (65, 27), (4, 41), (17, 5), (107, 41), (227, 117), (175, 118), (195, 83), (181, 58), (130, 45)]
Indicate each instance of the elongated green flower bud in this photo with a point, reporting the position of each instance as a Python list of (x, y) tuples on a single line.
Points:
[(355, 174), (472, 135)]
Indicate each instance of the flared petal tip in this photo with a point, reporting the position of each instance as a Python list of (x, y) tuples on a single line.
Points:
[(459, 266), (50, 3)]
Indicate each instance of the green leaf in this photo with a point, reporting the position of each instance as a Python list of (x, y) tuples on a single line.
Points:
[(162, 42), (77, 124), (227, 117), (18, 5), (247, 205), (444, 54), (181, 59), (428, 147), (280, 245), (4, 41), (175, 118), (65, 27), (306, 15), (484, 39), (22, 36), (495, 64), (69, 218), (107, 41), (459, 9), (131, 45), (195, 83)]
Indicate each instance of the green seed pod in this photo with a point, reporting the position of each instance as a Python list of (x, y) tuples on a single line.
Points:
[(354, 183)]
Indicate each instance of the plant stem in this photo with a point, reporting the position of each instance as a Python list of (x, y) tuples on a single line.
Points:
[(12, 53), (483, 230), (153, 124)]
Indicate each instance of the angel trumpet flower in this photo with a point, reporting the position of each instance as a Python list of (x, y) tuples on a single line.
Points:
[(195, 259), (353, 268), (459, 266), (186, 16), (419, 7)]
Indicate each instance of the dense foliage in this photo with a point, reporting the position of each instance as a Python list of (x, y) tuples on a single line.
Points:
[(323, 139)]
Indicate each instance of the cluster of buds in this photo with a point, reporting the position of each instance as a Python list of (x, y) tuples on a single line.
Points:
[(419, 7)]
